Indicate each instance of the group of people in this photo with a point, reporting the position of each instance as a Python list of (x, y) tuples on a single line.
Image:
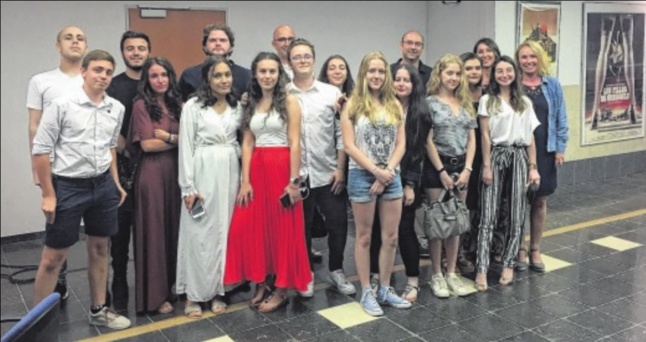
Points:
[(225, 172)]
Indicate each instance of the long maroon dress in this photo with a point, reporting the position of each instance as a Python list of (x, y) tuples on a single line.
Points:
[(158, 202)]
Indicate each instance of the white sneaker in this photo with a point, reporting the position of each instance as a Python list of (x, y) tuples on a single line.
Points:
[(310, 289), (454, 283), (108, 318), (341, 283), (439, 287)]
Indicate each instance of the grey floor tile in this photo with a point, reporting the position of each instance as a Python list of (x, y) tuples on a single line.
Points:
[(418, 319), (526, 316), (599, 322), (337, 336), (308, 326), (557, 306), (634, 334), (588, 295), (381, 329), (578, 274), (453, 333), (625, 309), (526, 336), (293, 308), (565, 331), (241, 320), (76, 330), (269, 332), (155, 336), (195, 331), (491, 327), (620, 287), (324, 299)]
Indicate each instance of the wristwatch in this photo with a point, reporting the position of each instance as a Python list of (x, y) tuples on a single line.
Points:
[(295, 181)]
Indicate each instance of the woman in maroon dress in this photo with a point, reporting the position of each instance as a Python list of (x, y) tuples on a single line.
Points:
[(153, 137)]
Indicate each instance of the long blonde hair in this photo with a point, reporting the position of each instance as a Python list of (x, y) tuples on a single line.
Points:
[(462, 92), (541, 55), (362, 104)]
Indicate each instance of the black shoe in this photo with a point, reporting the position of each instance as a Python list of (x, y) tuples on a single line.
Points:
[(120, 293), (61, 287), (316, 256)]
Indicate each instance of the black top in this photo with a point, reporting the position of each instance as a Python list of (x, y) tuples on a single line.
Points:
[(124, 90), (424, 71), (192, 78)]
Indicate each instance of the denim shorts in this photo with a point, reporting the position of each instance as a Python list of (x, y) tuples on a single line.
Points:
[(360, 181), (96, 200)]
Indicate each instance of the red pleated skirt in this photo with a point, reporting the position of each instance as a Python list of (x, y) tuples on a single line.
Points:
[(266, 238)]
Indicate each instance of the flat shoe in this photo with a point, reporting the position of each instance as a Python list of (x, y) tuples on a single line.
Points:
[(218, 306), (536, 267), (193, 311), (166, 308), (264, 308)]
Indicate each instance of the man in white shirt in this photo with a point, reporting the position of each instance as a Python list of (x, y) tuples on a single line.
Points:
[(283, 36), (81, 181), (71, 44), (323, 159)]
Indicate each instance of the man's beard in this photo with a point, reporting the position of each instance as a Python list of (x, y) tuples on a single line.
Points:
[(133, 67)]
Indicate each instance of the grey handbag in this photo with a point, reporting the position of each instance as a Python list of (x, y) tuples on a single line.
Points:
[(446, 218)]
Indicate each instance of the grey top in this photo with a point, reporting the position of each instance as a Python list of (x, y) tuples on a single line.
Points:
[(375, 142), (80, 133), (450, 133)]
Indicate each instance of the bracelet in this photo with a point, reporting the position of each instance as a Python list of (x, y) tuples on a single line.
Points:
[(468, 169), (170, 136), (532, 166), (440, 170)]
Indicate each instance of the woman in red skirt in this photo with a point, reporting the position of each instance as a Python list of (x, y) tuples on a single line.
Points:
[(266, 236)]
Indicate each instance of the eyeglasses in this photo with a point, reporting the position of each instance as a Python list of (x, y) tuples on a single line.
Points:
[(412, 43), (305, 58), (284, 39)]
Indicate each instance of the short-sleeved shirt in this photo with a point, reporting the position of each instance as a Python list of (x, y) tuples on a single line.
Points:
[(508, 127), (450, 132), (45, 87), (124, 89)]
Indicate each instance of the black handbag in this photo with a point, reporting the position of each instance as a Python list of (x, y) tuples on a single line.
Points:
[(446, 217)]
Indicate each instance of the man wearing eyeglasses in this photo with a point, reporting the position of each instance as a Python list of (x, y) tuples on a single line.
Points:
[(283, 35), (412, 46), (322, 160)]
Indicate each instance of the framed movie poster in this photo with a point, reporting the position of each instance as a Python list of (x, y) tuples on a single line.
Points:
[(613, 72), (540, 22)]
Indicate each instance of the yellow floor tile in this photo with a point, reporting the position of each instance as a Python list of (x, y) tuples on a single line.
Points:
[(616, 243), (224, 338), (553, 264), (347, 315)]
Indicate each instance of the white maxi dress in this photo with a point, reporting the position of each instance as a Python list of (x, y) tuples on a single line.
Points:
[(208, 165)]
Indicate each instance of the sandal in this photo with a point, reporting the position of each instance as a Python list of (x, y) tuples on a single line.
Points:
[(265, 306), (506, 280), (166, 308), (262, 289), (481, 287), (536, 267), (218, 306), (193, 310), (408, 291), (521, 266)]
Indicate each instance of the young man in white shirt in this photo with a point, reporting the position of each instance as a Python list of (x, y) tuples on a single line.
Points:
[(44, 87), (80, 131), (323, 159)]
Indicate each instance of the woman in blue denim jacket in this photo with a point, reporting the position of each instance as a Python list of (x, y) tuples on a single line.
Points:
[(550, 137)]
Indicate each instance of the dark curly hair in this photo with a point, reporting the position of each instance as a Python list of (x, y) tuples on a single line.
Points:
[(254, 90), (172, 97), (348, 85), (204, 93)]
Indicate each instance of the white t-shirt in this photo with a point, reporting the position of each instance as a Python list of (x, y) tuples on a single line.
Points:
[(507, 127), (45, 87)]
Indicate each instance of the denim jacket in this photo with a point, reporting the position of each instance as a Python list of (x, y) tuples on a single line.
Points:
[(557, 134)]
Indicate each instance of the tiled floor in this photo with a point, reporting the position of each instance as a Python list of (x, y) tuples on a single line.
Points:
[(595, 289)]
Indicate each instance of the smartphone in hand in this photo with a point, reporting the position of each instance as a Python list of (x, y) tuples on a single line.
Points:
[(285, 201), (198, 209)]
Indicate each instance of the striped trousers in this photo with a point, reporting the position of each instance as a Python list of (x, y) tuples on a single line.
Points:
[(509, 169)]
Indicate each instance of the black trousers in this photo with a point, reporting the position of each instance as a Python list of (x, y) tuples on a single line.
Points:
[(408, 242), (333, 209), (120, 242)]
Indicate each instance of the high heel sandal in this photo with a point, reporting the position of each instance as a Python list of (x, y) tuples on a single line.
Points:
[(259, 287), (282, 301), (504, 281)]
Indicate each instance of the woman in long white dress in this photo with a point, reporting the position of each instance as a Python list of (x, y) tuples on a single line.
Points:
[(209, 171)]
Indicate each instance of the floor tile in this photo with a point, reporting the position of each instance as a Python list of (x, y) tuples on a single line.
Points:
[(269, 332), (553, 264), (337, 336), (634, 334), (599, 322), (324, 299), (347, 315), (588, 295), (577, 274), (382, 330), (604, 267), (452, 333), (619, 286), (557, 306), (76, 330), (526, 316), (294, 308), (492, 300), (308, 326), (491, 327), (625, 309), (616, 243), (195, 331), (565, 331), (241, 320), (224, 338), (418, 319), (526, 336), (155, 336)]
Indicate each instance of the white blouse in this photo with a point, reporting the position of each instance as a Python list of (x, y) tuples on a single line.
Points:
[(508, 127)]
